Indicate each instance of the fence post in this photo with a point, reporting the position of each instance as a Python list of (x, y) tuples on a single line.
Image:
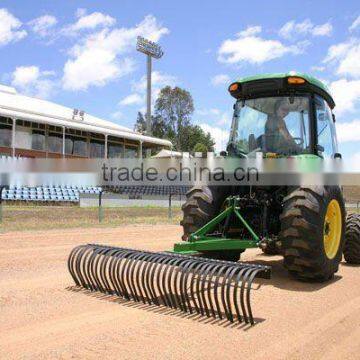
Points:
[(1, 207), (169, 210), (101, 214)]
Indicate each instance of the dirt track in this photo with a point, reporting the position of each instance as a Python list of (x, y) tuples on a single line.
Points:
[(41, 318)]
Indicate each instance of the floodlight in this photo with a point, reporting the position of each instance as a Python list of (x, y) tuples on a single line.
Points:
[(149, 48)]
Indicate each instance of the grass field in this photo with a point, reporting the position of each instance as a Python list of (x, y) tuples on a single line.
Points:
[(22, 218)]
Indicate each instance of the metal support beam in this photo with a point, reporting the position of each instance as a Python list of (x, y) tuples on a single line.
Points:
[(106, 147), (63, 142), (148, 102), (13, 138), (140, 149)]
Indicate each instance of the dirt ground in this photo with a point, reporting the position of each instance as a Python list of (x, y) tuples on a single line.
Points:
[(41, 318)]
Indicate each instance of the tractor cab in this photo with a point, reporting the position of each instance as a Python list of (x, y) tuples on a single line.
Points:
[(284, 114)]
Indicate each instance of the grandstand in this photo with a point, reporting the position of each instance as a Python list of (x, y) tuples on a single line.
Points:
[(35, 128), (32, 128)]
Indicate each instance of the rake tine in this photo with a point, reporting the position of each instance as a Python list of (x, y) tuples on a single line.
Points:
[(227, 283), (187, 269), (215, 290), (250, 281), (154, 261), (215, 267), (78, 269), (242, 300), (228, 295), (238, 278), (70, 264)]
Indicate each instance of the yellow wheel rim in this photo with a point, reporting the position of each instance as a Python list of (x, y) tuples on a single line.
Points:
[(332, 229)]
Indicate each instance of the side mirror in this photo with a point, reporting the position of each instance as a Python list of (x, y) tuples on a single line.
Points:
[(223, 153), (337, 156)]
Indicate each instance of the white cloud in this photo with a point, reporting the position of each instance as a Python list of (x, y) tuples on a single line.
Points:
[(218, 134), (254, 49), (216, 115), (346, 94), (354, 162), (292, 29), (355, 24), (158, 81), (250, 31), (41, 25), (322, 30), (95, 59), (88, 22), (80, 12), (117, 115), (132, 99), (10, 28), (220, 79), (32, 81), (346, 57), (348, 131)]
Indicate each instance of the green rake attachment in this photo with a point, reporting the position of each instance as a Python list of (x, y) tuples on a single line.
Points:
[(212, 288)]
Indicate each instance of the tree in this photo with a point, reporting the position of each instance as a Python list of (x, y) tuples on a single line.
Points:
[(172, 121), (175, 106), (200, 147), (193, 135), (158, 128)]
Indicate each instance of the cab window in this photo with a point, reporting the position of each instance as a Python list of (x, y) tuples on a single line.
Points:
[(325, 129)]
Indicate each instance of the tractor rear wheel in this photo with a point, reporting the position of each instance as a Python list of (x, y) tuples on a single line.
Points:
[(202, 204), (352, 239), (312, 232)]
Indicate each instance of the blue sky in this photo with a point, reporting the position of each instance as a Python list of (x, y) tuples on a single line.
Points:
[(82, 53)]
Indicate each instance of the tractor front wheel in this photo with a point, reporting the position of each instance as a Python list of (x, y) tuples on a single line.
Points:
[(312, 232)]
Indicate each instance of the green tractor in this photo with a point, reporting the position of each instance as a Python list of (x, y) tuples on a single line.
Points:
[(276, 115)]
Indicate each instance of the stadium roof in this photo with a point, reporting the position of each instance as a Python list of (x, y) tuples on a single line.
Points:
[(23, 107)]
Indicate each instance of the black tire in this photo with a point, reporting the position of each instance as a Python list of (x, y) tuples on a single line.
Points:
[(202, 204), (303, 229), (352, 239)]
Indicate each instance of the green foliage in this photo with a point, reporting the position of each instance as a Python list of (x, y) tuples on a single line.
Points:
[(193, 135), (172, 121), (200, 147)]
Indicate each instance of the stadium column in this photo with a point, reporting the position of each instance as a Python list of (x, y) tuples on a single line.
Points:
[(140, 149), (106, 147), (13, 138), (63, 142)]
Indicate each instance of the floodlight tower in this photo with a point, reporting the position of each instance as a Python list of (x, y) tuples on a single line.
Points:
[(151, 50)]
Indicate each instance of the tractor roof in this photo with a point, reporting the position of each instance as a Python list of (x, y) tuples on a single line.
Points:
[(277, 82)]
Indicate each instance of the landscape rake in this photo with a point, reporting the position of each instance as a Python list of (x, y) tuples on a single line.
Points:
[(208, 287)]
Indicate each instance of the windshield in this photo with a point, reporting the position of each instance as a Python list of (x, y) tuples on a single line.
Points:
[(272, 125)]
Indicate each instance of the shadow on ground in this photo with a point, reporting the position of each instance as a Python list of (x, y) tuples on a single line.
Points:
[(162, 310), (281, 279)]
